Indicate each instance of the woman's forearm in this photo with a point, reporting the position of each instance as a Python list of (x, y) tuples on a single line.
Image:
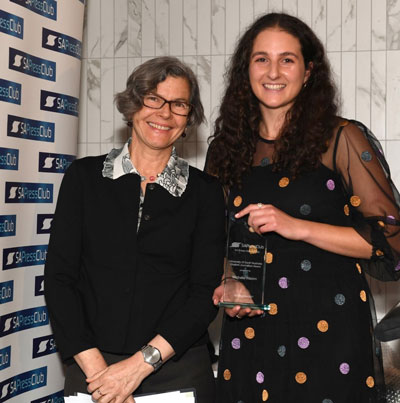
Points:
[(90, 361), (341, 240)]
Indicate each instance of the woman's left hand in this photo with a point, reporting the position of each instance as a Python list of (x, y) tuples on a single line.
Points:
[(267, 218), (117, 382)]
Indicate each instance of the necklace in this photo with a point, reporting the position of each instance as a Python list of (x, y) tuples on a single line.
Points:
[(152, 178)]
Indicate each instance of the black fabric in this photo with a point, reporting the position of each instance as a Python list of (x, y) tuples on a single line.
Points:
[(111, 287), (192, 370)]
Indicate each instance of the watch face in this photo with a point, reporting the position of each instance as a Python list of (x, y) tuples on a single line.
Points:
[(151, 355)]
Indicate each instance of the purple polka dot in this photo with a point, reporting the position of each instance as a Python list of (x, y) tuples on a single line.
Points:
[(303, 342), (391, 220), (283, 282), (344, 368), (260, 377), (236, 343), (397, 268), (330, 184)]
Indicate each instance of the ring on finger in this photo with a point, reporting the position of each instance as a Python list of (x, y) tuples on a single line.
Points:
[(98, 391), (259, 205)]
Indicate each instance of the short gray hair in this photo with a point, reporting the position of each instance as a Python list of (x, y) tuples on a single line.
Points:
[(145, 79)]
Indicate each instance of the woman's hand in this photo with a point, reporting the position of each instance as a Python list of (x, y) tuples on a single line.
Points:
[(237, 310), (267, 218), (117, 382)]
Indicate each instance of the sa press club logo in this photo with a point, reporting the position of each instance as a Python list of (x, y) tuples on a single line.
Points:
[(23, 256), (9, 158), (8, 224), (23, 383), (11, 24), (22, 320), (39, 285), (22, 192), (31, 65), (30, 129), (60, 103), (43, 223), (5, 357), (57, 163), (57, 397), (46, 8), (10, 92), (6, 291), (61, 43), (44, 345)]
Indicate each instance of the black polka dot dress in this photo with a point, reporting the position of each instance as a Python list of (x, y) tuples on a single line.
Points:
[(314, 345)]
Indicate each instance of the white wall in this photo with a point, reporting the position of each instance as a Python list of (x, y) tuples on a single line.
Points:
[(362, 38)]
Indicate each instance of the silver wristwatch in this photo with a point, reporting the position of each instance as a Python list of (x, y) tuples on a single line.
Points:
[(152, 356)]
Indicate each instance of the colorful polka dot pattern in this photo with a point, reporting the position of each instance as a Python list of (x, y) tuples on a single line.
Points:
[(330, 184), (260, 377), (303, 343), (235, 343), (344, 368)]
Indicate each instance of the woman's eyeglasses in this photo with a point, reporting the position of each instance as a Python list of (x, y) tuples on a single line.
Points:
[(180, 108)]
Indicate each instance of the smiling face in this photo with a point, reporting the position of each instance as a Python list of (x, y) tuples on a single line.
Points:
[(276, 70), (158, 129)]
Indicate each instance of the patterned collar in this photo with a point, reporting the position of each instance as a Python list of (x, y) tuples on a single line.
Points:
[(173, 178)]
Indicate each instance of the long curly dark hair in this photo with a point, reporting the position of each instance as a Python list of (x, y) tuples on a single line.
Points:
[(308, 125)]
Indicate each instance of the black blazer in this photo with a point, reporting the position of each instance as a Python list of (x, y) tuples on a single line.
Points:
[(111, 287)]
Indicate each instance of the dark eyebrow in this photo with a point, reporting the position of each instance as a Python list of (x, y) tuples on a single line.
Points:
[(172, 100), (280, 54)]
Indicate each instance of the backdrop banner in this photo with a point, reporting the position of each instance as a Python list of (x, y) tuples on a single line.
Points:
[(40, 47)]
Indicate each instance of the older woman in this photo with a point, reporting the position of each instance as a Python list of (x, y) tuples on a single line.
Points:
[(136, 251), (317, 189)]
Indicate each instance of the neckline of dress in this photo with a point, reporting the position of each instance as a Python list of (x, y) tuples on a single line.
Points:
[(267, 141)]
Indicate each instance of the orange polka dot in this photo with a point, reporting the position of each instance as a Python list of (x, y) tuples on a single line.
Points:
[(249, 333), (301, 377), (323, 326), (227, 375), (363, 295), (355, 201), (370, 382), (378, 252), (269, 257), (381, 224), (273, 309), (251, 229), (358, 267), (237, 201), (284, 182), (346, 209), (265, 395)]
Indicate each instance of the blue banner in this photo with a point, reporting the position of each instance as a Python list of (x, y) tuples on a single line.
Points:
[(10, 92), (9, 158), (23, 256), (22, 383), (5, 357), (22, 192), (55, 163), (21, 320), (11, 24), (8, 225), (61, 43), (6, 291), (31, 65), (45, 8), (60, 103), (30, 129)]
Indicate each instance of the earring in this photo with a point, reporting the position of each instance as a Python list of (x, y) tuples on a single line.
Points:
[(184, 134)]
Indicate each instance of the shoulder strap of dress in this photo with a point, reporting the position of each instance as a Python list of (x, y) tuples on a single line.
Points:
[(339, 132)]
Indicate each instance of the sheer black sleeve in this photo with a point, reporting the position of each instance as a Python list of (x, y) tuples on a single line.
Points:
[(373, 200)]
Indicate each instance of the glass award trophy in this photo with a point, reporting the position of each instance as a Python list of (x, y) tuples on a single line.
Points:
[(245, 268)]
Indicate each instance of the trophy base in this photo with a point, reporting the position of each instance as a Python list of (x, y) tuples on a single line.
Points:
[(263, 307)]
